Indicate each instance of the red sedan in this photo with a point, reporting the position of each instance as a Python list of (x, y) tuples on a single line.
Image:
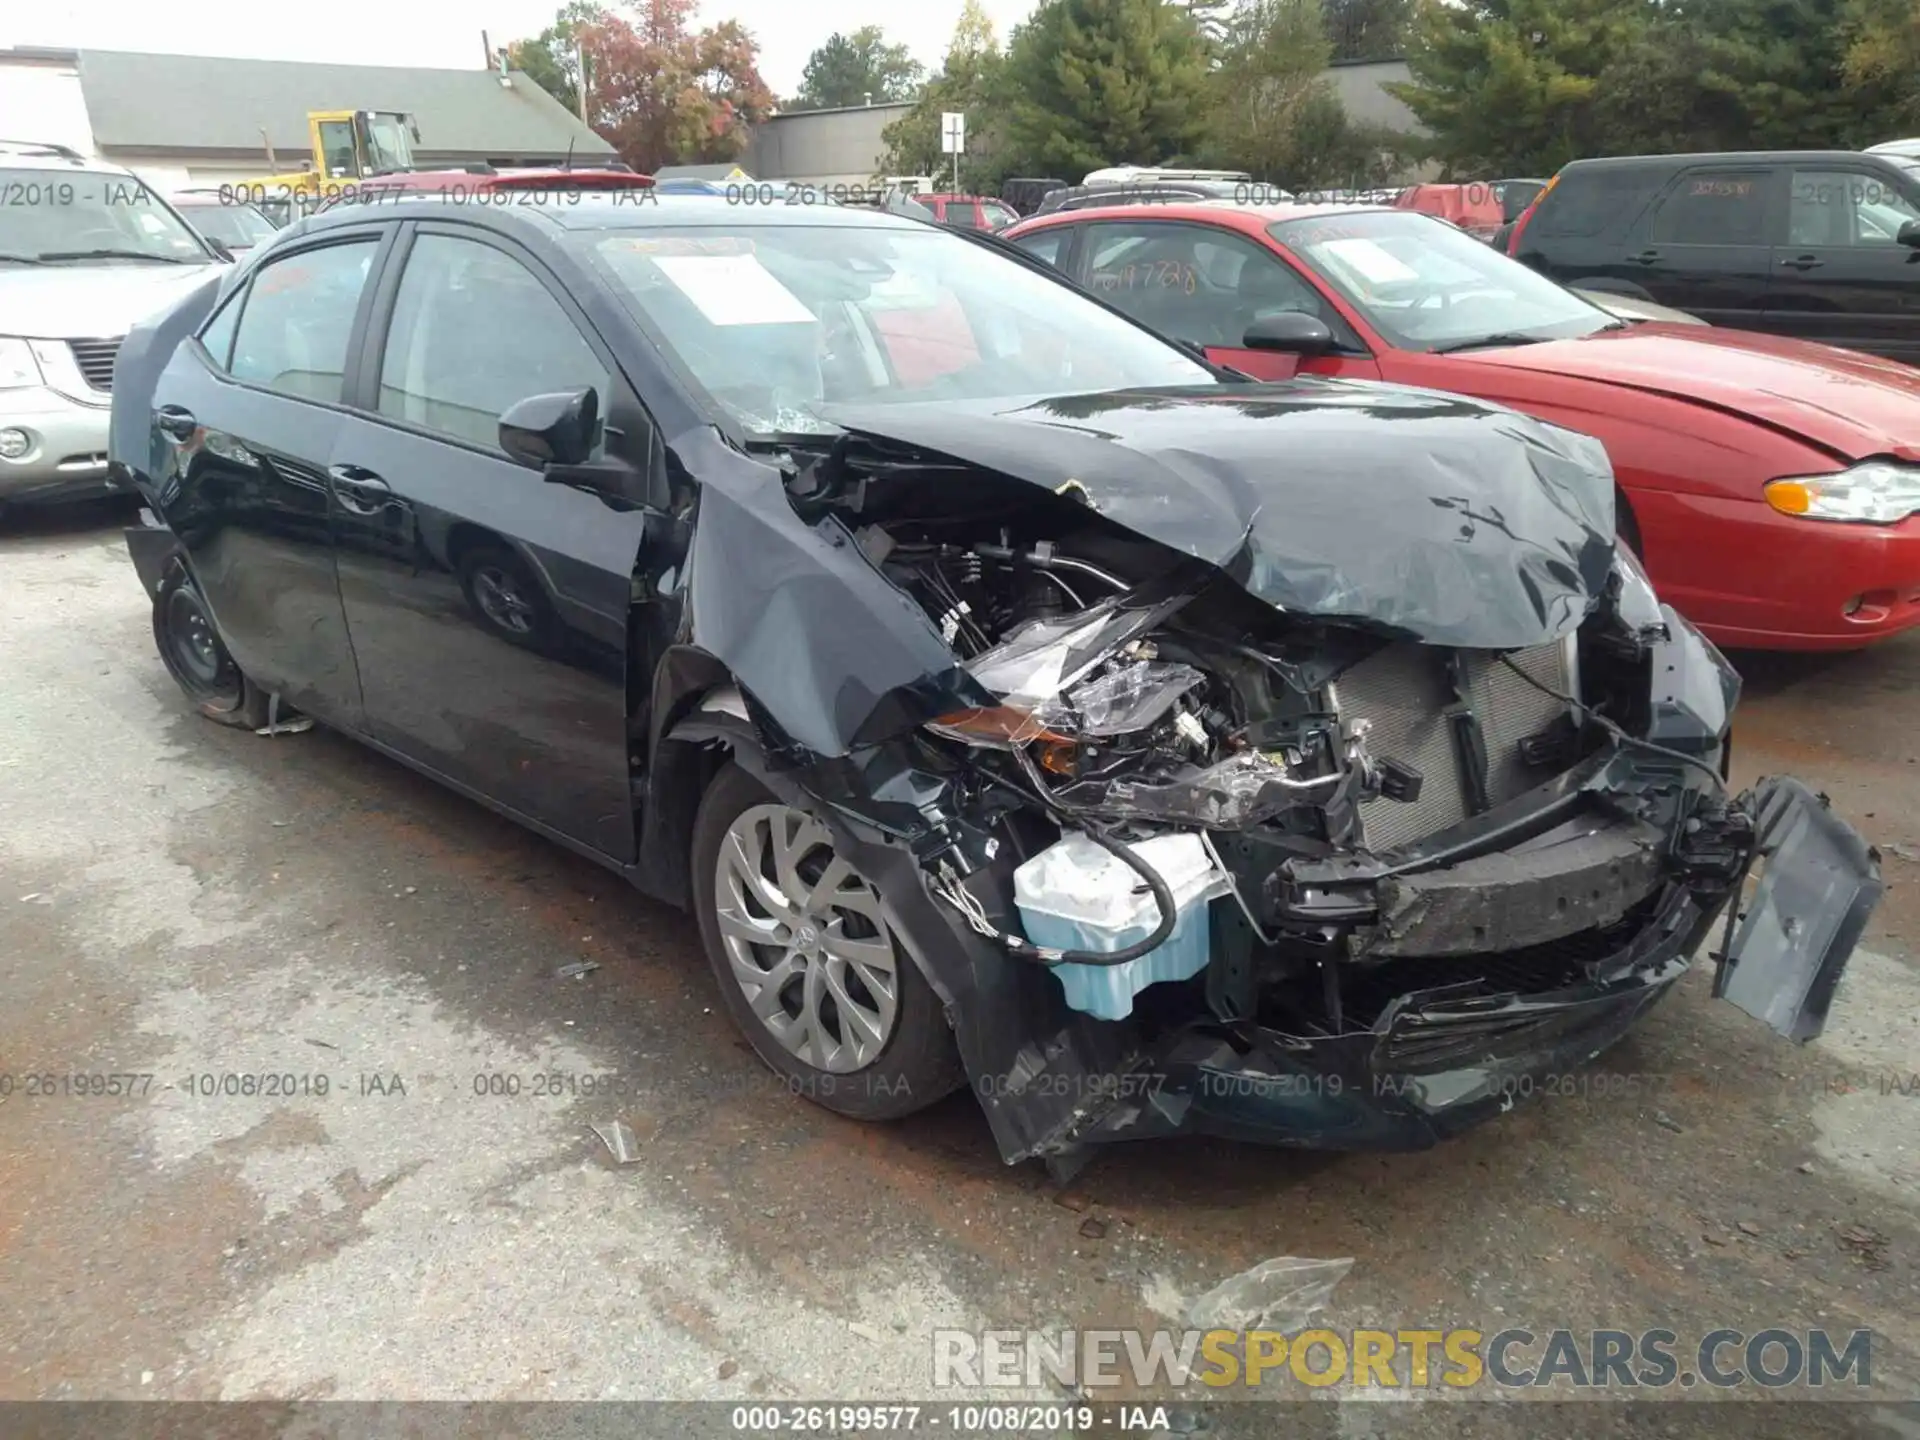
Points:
[(1771, 486)]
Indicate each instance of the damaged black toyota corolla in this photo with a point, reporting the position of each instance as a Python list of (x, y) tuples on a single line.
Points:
[(1014, 699)]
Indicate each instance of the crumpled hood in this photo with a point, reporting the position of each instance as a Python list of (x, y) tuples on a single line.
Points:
[(89, 302), (1855, 405), (1431, 515)]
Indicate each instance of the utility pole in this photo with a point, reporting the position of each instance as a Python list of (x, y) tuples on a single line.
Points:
[(953, 140), (580, 90)]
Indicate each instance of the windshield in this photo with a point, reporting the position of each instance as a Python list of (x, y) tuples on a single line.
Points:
[(55, 215), (238, 227), (778, 323), (1424, 284), (388, 147)]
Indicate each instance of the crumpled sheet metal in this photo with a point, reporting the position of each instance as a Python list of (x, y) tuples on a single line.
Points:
[(1280, 1295), (132, 440), (1428, 515), (833, 652)]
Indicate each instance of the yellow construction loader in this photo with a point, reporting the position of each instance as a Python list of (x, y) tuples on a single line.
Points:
[(348, 146)]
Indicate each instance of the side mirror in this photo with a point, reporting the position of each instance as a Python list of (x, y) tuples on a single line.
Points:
[(1909, 235), (545, 430), (1290, 331)]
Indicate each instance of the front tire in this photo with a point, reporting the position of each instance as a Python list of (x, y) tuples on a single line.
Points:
[(197, 658), (807, 964)]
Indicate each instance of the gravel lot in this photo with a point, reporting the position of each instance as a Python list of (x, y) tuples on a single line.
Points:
[(184, 901)]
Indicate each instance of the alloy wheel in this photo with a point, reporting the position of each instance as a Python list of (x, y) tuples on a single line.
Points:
[(806, 940), (500, 600)]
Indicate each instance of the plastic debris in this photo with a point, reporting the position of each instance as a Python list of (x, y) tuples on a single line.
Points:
[(619, 1140), (298, 725), (579, 969), (1278, 1294)]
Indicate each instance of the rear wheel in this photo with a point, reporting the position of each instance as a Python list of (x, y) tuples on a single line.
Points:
[(807, 963), (194, 655), (505, 594)]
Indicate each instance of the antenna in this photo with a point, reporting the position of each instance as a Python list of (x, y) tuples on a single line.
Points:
[(567, 164)]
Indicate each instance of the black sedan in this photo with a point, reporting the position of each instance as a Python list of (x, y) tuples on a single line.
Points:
[(1014, 699)]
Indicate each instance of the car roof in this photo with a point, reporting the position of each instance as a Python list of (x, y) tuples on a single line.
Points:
[(1215, 212), (1730, 157), (36, 155), (637, 209)]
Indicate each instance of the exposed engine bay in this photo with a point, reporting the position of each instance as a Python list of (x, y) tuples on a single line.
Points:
[(1143, 696), (1313, 804)]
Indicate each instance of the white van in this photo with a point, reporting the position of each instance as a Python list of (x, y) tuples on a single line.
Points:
[(87, 250)]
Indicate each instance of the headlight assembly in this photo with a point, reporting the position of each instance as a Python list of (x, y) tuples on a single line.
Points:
[(1874, 492), (18, 368)]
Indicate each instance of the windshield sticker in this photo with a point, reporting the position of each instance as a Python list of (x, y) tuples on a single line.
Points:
[(734, 290), (1370, 261)]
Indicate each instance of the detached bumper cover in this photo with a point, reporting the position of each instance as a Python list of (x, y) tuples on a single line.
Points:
[(1817, 887)]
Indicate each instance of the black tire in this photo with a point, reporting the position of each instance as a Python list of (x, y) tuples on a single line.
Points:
[(918, 1063), (194, 654), (507, 596)]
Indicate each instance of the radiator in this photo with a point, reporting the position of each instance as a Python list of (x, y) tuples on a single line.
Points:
[(1408, 692)]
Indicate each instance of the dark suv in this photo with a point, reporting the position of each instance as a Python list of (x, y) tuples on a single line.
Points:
[(1819, 245)]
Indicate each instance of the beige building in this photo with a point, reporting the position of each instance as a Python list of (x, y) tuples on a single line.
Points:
[(822, 147), (179, 120)]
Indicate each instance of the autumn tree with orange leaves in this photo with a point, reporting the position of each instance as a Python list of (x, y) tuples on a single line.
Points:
[(659, 91)]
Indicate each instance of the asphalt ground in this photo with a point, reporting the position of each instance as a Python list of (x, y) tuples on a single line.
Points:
[(185, 902)]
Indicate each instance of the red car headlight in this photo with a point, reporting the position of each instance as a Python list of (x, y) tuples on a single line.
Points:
[(1875, 492)]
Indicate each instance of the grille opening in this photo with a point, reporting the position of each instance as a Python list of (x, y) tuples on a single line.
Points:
[(1411, 695), (1367, 991), (95, 358)]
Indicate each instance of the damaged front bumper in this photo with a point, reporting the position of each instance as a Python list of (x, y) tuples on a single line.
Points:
[(1436, 1061), (1587, 929)]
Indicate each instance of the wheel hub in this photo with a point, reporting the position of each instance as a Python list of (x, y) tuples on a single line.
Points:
[(806, 939)]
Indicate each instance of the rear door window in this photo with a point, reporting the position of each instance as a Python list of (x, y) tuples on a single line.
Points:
[(1844, 208), (1715, 207), (1047, 245), (297, 320), (963, 212)]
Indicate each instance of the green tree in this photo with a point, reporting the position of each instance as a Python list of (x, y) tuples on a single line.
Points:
[(551, 59), (855, 69), (969, 81), (1272, 54), (1092, 83), (1514, 87), (1522, 86), (1367, 29), (1882, 59)]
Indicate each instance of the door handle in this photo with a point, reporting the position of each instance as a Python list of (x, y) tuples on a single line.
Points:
[(176, 421), (359, 490), (1645, 257), (1803, 262)]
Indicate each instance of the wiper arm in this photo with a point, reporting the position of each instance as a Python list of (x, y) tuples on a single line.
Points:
[(1479, 341), (47, 255), (18, 259)]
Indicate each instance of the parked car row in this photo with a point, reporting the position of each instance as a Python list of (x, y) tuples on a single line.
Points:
[(1819, 245), (1014, 697), (1768, 486)]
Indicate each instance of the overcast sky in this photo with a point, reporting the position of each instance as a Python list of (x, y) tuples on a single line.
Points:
[(447, 32)]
